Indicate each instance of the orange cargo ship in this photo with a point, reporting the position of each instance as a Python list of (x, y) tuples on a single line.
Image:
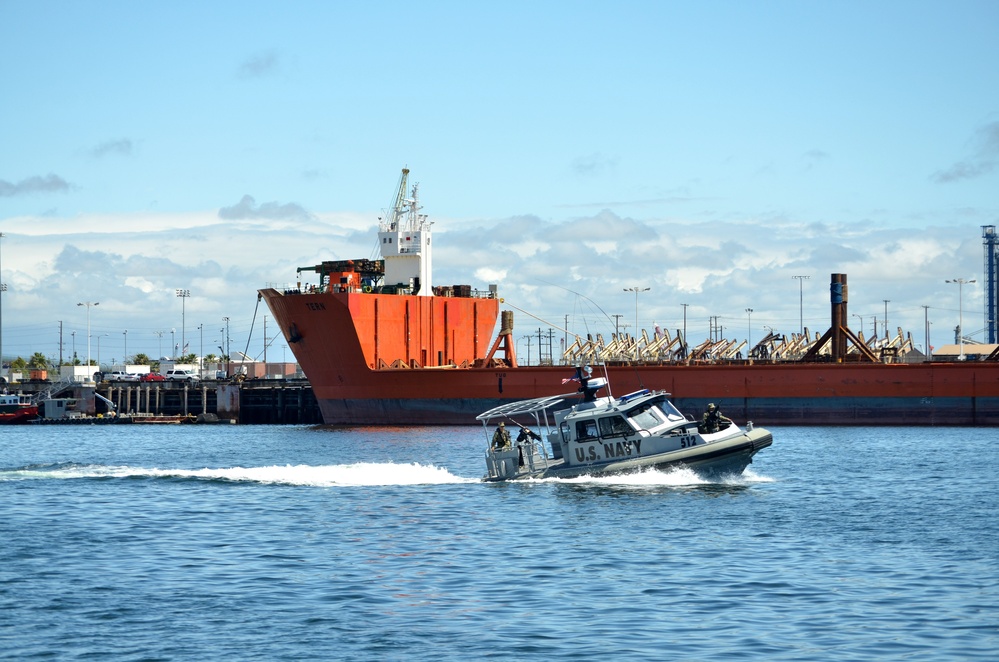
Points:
[(381, 346)]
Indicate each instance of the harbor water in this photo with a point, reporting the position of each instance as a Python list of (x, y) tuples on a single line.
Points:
[(299, 543)]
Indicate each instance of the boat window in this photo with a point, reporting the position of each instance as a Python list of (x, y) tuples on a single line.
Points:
[(614, 426), (645, 417), (586, 429)]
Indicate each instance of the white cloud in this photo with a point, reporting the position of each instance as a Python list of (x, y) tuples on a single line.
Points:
[(575, 268)]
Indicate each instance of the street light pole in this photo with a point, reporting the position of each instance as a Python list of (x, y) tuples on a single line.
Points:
[(926, 330), (859, 317), (183, 294), (99, 350), (749, 332), (88, 304), (636, 290), (801, 301), (960, 311), (124, 360)]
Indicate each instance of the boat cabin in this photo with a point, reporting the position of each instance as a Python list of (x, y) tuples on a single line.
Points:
[(14, 400), (610, 420)]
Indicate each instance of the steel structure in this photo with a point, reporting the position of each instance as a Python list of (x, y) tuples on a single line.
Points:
[(991, 242)]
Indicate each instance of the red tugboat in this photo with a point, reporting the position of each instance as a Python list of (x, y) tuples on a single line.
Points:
[(16, 409)]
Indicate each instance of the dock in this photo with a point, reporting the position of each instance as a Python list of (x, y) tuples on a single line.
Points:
[(251, 402)]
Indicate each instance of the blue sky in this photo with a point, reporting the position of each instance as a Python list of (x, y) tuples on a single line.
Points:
[(709, 151)]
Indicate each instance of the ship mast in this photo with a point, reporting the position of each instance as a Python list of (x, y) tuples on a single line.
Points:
[(404, 236)]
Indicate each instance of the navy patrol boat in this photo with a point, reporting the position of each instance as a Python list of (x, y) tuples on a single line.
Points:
[(607, 435)]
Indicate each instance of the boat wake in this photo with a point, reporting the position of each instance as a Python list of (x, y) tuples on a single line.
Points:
[(678, 477), (337, 475)]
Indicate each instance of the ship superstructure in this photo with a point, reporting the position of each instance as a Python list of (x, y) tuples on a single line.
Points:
[(404, 238)]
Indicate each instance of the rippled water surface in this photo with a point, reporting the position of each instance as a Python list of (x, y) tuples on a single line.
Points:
[(273, 542)]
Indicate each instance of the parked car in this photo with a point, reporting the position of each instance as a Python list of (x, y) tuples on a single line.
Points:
[(152, 377), (120, 376), (182, 375)]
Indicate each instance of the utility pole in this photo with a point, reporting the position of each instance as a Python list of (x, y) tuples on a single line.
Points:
[(617, 325), (528, 339), (886, 317)]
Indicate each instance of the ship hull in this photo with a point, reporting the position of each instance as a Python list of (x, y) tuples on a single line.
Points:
[(355, 384), (868, 411), (18, 415)]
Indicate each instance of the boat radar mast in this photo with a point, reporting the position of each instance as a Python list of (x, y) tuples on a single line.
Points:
[(404, 235)]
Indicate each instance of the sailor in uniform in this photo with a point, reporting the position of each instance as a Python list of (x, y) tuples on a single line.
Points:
[(501, 438)]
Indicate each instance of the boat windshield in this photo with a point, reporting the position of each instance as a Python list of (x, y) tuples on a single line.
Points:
[(653, 413), (672, 413), (646, 416)]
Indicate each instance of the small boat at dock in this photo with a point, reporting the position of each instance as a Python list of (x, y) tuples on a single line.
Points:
[(607, 435), (17, 408)]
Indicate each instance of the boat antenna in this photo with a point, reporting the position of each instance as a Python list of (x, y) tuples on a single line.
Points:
[(634, 367), (543, 321), (607, 377), (609, 320)]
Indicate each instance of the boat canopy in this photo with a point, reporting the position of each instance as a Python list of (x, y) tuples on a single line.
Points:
[(524, 406)]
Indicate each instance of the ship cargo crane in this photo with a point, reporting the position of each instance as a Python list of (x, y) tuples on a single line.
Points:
[(991, 242), (398, 209)]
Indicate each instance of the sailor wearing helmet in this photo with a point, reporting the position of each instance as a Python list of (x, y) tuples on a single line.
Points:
[(501, 438), (712, 420)]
